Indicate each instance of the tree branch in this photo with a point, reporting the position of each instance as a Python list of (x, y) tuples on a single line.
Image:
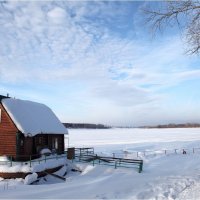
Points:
[(184, 13)]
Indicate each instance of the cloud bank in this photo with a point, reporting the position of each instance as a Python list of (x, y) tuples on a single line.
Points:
[(80, 55)]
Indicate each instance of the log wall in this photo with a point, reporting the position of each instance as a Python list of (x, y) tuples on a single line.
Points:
[(7, 134)]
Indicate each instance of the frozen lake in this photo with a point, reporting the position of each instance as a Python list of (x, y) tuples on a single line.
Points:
[(134, 138)]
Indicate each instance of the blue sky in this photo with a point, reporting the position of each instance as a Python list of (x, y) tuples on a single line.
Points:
[(97, 62)]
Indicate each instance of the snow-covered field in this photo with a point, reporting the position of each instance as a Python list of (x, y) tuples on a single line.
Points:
[(167, 174)]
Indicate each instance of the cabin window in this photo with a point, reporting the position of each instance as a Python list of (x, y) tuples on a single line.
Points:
[(55, 143)]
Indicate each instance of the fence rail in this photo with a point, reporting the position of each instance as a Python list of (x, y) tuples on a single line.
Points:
[(10, 162), (84, 151), (87, 155), (140, 154)]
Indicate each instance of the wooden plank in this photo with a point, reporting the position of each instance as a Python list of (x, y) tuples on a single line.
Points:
[(56, 176)]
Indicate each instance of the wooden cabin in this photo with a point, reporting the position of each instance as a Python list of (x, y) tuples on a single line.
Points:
[(27, 127)]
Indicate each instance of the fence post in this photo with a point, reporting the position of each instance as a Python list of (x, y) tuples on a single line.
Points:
[(115, 164), (11, 161), (140, 167), (30, 160)]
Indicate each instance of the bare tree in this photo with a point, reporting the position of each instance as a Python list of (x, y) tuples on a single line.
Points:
[(185, 14)]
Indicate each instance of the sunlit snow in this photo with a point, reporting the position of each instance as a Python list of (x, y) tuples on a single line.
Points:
[(166, 175)]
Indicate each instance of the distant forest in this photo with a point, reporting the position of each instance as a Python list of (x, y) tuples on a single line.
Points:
[(187, 125), (102, 126), (82, 125)]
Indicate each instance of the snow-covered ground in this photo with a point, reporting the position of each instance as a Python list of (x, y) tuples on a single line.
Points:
[(165, 176), (37, 165)]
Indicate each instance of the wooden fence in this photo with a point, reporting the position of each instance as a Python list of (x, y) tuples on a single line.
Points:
[(139, 154), (10, 162), (87, 155), (81, 155)]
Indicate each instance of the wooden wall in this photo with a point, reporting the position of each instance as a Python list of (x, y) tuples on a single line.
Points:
[(7, 134)]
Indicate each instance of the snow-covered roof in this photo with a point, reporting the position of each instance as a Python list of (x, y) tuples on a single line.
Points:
[(33, 118)]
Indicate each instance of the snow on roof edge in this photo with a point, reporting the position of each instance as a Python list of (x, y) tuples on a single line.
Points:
[(29, 117)]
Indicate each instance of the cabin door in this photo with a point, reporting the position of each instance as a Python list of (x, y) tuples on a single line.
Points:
[(55, 143), (28, 146)]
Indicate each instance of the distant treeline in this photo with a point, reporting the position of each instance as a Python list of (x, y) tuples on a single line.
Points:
[(82, 125), (187, 125)]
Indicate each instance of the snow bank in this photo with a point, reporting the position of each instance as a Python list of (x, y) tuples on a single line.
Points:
[(33, 118), (36, 166), (49, 164), (3, 158), (16, 168), (30, 178), (87, 169), (45, 151)]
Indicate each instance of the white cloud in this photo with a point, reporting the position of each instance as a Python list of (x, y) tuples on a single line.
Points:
[(57, 15)]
